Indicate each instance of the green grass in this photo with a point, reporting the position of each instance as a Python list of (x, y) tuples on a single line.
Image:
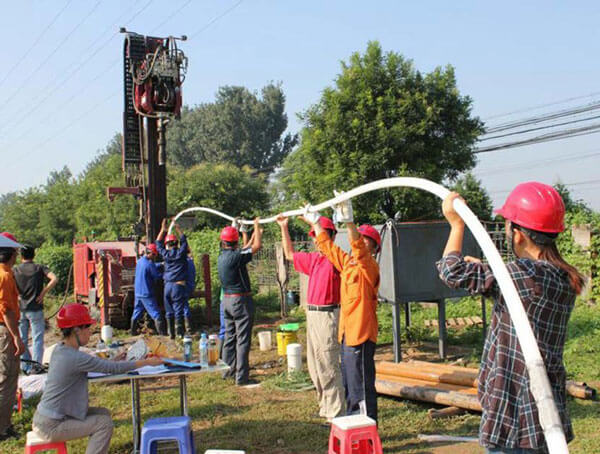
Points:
[(272, 419)]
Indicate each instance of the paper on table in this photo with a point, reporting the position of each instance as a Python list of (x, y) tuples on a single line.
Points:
[(96, 374), (149, 370)]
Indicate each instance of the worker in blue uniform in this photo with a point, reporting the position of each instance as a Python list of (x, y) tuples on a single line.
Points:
[(174, 254), (191, 286), (147, 272)]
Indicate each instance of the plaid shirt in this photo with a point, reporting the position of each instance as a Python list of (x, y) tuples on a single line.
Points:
[(510, 415)]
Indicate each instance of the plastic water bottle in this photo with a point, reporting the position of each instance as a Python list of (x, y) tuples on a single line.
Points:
[(203, 350), (187, 348)]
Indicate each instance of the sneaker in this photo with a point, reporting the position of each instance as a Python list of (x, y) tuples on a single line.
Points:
[(249, 384)]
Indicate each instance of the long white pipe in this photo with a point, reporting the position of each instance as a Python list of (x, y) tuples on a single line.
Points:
[(540, 385)]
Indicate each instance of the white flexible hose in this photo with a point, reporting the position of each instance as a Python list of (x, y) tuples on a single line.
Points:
[(540, 385)]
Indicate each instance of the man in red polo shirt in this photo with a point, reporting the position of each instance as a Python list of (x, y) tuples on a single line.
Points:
[(322, 316)]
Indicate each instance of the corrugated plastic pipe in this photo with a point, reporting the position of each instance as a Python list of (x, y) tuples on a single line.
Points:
[(540, 385)]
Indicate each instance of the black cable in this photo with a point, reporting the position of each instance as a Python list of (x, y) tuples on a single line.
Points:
[(223, 14), (65, 295)]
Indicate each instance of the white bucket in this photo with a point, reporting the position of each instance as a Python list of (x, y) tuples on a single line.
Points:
[(106, 334), (294, 357), (264, 340)]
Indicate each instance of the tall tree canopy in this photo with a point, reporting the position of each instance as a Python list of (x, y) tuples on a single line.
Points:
[(239, 127), (475, 195), (383, 118), (223, 187)]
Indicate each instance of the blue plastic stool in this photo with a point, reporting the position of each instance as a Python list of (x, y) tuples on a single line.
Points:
[(177, 428)]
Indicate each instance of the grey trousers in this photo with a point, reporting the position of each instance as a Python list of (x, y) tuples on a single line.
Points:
[(323, 358), (9, 378), (97, 425), (239, 318)]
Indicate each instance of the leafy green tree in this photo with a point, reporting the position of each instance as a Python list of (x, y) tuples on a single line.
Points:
[(475, 195), (95, 215), (383, 118), (239, 127), (21, 215), (223, 187), (57, 223)]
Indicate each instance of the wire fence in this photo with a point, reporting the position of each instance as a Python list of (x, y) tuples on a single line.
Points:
[(263, 268)]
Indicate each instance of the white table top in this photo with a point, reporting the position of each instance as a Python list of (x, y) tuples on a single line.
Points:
[(219, 367)]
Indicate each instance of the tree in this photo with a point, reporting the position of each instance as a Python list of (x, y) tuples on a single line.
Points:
[(383, 118), (57, 223), (475, 195), (223, 187), (21, 215), (239, 128)]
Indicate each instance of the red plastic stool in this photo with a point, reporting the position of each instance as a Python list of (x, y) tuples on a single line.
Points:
[(36, 443), (356, 434)]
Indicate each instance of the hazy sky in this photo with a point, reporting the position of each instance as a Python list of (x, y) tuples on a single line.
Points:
[(62, 97)]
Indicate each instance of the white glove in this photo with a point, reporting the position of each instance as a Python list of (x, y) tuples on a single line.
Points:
[(243, 227), (342, 213), (311, 216), (236, 223)]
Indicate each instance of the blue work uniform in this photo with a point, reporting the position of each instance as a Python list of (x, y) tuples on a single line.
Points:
[(175, 277), (238, 310), (146, 274), (191, 285)]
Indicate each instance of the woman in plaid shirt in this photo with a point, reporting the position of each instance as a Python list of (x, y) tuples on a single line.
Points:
[(547, 286)]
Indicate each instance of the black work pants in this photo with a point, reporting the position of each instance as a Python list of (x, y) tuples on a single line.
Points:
[(358, 374), (239, 318)]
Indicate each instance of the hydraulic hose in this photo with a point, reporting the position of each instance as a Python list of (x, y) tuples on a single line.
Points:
[(539, 383)]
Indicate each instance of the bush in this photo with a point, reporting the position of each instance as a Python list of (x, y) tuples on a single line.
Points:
[(206, 242), (59, 258)]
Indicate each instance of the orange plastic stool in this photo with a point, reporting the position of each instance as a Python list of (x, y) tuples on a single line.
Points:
[(36, 443), (356, 434)]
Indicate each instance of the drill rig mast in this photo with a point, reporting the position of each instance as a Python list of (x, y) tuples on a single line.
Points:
[(153, 72)]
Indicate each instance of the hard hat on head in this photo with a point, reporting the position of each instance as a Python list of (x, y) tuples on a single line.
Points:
[(72, 315), (325, 223), (10, 236), (370, 232), (171, 238), (229, 234), (152, 248), (535, 206)]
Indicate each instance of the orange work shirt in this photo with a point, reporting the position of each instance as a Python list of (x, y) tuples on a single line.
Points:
[(359, 275), (9, 295)]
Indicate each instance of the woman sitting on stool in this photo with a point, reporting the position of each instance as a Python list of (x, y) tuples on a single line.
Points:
[(63, 412)]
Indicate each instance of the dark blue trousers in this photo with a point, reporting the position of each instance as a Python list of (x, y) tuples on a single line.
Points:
[(239, 318), (175, 298), (358, 374)]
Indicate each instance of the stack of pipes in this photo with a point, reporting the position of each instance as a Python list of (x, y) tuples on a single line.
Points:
[(443, 384)]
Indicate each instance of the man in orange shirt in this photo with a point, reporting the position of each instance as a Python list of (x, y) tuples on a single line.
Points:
[(11, 345), (357, 330)]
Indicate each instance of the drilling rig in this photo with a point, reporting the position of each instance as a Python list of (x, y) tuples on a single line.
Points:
[(153, 72)]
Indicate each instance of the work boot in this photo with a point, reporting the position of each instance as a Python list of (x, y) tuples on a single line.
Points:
[(135, 324), (188, 325), (179, 327), (171, 327), (161, 327)]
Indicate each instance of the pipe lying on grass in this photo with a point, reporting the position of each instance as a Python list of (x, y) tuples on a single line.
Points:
[(539, 383)]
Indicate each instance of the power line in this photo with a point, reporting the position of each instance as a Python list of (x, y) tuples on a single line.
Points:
[(537, 163), (65, 39), (575, 132), (541, 106), (35, 43), (40, 102), (223, 14), (553, 125), (577, 183), (171, 16)]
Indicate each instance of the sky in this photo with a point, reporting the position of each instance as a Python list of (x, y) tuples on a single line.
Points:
[(61, 71)]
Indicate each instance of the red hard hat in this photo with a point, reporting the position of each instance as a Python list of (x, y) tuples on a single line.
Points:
[(370, 232), (325, 223), (170, 238), (535, 206), (152, 248), (229, 234), (73, 315), (10, 236)]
